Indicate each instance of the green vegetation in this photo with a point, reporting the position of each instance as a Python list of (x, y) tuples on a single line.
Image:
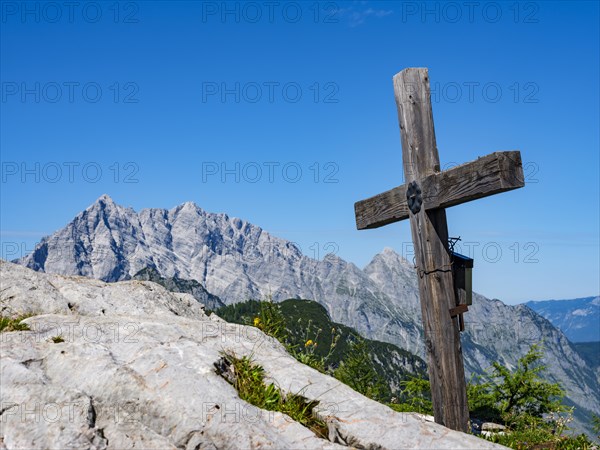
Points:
[(532, 436), (596, 425), (270, 320), (249, 381), (305, 328), (57, 339), (414, 397), (522, 392), (358, 372), (530, 408), (13, 324)]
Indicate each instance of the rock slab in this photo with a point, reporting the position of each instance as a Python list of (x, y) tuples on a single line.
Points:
[(134, 368)]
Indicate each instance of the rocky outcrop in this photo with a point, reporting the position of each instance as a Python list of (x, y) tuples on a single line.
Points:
[(134, 368)]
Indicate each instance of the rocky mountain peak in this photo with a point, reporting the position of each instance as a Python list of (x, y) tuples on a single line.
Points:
[(189, 208), (106, 199), (104, 203), (387, 259)]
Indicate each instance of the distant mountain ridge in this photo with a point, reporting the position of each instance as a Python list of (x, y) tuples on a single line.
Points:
[(578, 318), (236, 261)]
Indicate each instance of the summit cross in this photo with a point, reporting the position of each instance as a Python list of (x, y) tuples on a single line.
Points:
[(423, 199)]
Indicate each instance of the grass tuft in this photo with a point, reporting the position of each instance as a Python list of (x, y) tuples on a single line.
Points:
[(14, 324), (249, 380)]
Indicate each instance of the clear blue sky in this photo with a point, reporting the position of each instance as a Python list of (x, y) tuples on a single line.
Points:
[(146, 93)]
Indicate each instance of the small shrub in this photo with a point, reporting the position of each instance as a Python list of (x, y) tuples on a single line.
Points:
[(481, 400), (596, 425), (307, 353), (270, 320), (529, 406), (536, 437), (415, 397), (357, 371), (7, 324), (57, 339), (523, 392)]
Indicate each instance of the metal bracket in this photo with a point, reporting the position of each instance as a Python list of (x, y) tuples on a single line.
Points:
[(459, 309), (413, 197)]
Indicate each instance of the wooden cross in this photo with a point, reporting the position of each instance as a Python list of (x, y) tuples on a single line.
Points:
[(423, 200)]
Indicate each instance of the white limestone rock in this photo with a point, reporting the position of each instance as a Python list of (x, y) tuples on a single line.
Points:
[(136, 370)]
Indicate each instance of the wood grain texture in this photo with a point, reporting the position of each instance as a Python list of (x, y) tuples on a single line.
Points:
[(488, 175), (430, 237), (382, 209)]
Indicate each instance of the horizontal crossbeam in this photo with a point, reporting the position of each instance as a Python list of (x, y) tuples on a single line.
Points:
[(488, 175)]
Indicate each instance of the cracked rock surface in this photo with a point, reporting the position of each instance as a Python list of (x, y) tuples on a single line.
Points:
[(136, 369)]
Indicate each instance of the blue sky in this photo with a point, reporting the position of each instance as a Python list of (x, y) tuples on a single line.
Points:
[(283, 114)]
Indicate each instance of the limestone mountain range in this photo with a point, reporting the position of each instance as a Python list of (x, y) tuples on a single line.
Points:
[(236, 260)]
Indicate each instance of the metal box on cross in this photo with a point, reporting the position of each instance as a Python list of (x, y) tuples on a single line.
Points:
[(462, 270)]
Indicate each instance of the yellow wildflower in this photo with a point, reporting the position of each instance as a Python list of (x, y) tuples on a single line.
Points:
[(308, 343), (256, 321)]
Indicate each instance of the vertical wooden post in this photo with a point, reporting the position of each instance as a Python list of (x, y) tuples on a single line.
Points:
[(430, 237)]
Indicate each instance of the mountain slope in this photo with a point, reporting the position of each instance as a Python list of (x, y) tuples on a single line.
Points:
[(579, 318), (590, 351), (176, 284), (236, 261)]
